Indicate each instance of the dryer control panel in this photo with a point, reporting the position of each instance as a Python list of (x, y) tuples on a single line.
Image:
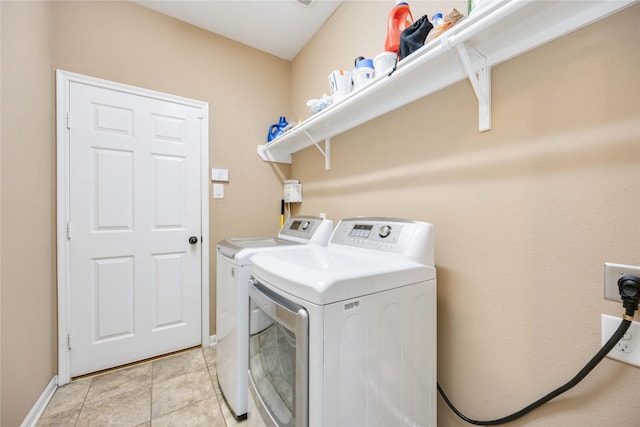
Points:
[(412, 239), (386, 233)]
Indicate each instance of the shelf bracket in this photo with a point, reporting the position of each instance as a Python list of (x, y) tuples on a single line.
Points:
[(326, 152), (480, 79)]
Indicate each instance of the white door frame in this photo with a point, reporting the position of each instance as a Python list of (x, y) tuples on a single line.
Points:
[(63, 80)]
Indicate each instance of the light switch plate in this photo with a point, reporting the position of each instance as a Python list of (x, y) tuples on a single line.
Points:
[(218, 191)]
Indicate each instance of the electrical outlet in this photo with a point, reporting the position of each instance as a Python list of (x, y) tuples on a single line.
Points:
[(628, 348), (612, 273)]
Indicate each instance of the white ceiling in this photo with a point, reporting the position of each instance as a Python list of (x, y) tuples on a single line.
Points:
[(279, 27)]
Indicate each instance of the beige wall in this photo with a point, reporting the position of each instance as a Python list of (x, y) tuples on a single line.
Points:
[(525, 214), (246, 90), (1, 134), (28, 204)]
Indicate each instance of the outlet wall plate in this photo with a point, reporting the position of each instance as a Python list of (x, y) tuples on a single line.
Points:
[(612, 273), (628, 348)]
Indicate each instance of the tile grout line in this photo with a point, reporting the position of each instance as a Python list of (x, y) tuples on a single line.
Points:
[(154, 383), (215, 395), (180, 409), (151, 398), (109, 372), (211, 377), (83, 402)]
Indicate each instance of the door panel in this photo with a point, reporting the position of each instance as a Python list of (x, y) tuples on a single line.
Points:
[(170, 289), (112, 203), (169, 203), (135, 281), (113, 297)]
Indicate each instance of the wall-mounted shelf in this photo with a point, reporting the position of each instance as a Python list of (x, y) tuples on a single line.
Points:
[(499, 31)]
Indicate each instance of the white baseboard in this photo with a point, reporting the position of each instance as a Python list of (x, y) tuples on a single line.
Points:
[(41, 404), (213, 340)]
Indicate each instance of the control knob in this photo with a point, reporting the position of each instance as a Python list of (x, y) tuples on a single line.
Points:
[(384, 231), (306, 224)]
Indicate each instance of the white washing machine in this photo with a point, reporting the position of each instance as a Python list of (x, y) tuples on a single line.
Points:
[(232, 299), (352, 333)]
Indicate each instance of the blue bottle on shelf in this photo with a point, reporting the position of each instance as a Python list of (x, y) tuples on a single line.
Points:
[(277, 129)]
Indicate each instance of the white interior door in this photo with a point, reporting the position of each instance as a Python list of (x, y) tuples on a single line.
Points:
[(134, 202)]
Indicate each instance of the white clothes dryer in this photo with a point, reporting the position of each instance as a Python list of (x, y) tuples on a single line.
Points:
[(352, 339), (232, 299)]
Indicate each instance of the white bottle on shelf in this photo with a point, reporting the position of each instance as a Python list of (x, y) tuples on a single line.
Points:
[(437, 20)]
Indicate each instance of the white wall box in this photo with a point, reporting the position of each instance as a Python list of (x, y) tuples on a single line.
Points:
[(499, 31)]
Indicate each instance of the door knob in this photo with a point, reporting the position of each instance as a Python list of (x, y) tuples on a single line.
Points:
[(193, 240)]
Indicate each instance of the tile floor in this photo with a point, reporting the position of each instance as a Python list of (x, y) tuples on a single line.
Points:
[(177, 390)]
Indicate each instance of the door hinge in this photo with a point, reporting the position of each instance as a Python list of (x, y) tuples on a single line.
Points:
[(68, 119), (68, 230), (69, 340)]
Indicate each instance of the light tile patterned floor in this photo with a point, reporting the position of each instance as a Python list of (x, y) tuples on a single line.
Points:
[(177, 390)]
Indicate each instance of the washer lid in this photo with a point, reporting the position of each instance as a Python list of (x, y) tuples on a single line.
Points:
[(325, 275), (233, 246), (296, 230)]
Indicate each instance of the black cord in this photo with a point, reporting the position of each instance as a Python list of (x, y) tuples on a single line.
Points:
[(395, 67), (617, 335)]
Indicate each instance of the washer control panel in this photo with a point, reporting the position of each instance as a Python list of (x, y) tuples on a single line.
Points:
[(307, 228)]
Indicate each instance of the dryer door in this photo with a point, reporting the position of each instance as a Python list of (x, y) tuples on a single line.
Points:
[(279, 360)]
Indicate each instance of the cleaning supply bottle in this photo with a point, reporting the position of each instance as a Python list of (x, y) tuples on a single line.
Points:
[(277, 129), (399, 18)]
